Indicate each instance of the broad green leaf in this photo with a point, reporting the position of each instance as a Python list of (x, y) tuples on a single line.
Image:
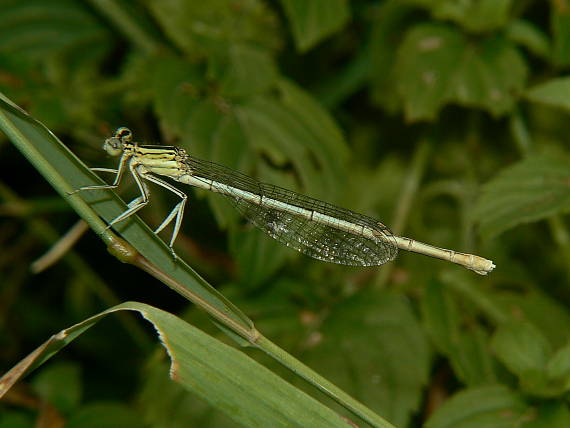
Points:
[(437, 65), (477, 16), (521, 347), (228, 147), (328, 144), (427, 61), (276, 131), (389, 21), (441, 317), (36, 29), (530, 36), (524, 351), (60, 385), (104, 415), (489, 407), (491, 76), (560, 27), (558, 368), (176, 84), (546, 313), (272, 130), (549, 414), (531, 190), (554, 92), (372, 345), (209, 27), (313, 21), (317, 120), (466, 348), (225, 377), (249, 70), (200, 127), (471, 359)]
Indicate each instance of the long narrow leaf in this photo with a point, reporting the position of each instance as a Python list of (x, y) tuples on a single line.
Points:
[(66, 173), (225, 377)]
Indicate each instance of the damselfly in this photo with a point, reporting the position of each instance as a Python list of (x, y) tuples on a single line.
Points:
[(313, 227)]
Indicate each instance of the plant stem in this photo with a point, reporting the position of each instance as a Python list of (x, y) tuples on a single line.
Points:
[(325, 386), (409, 190)]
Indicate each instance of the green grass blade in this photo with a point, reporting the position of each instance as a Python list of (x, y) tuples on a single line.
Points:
[(66, 173), (225, 377)]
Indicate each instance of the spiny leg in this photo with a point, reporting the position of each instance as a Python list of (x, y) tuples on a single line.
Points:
[(177, 211), (119, 171), (138, 200), (137, 203), (133, 206), (111, 170)]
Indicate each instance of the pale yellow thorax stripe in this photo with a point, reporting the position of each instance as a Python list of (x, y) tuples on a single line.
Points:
[(159, 161)]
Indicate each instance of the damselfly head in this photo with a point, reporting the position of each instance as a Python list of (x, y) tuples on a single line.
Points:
[(115, 145)]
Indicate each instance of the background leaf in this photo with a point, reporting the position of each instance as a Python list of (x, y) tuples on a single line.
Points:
[(521, 347), (358, 345), (245, 62), (558, 368), (466, 348), (553, 92), (491, 406), (35, 29), (525, 352), (531, 190), (477, 16), (438, 66), (390, 21), (313, 21), (560, 21), (530, 36), (198, 28)]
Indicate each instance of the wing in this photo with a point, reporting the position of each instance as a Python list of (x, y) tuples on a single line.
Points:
[(318, 240)]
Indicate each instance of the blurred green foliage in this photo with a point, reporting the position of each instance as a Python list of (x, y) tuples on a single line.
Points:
[(445, 119)]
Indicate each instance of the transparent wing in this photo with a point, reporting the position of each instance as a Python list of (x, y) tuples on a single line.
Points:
[(317, 240)]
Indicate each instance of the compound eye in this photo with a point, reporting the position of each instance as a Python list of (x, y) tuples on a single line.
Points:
[(123, 134)]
